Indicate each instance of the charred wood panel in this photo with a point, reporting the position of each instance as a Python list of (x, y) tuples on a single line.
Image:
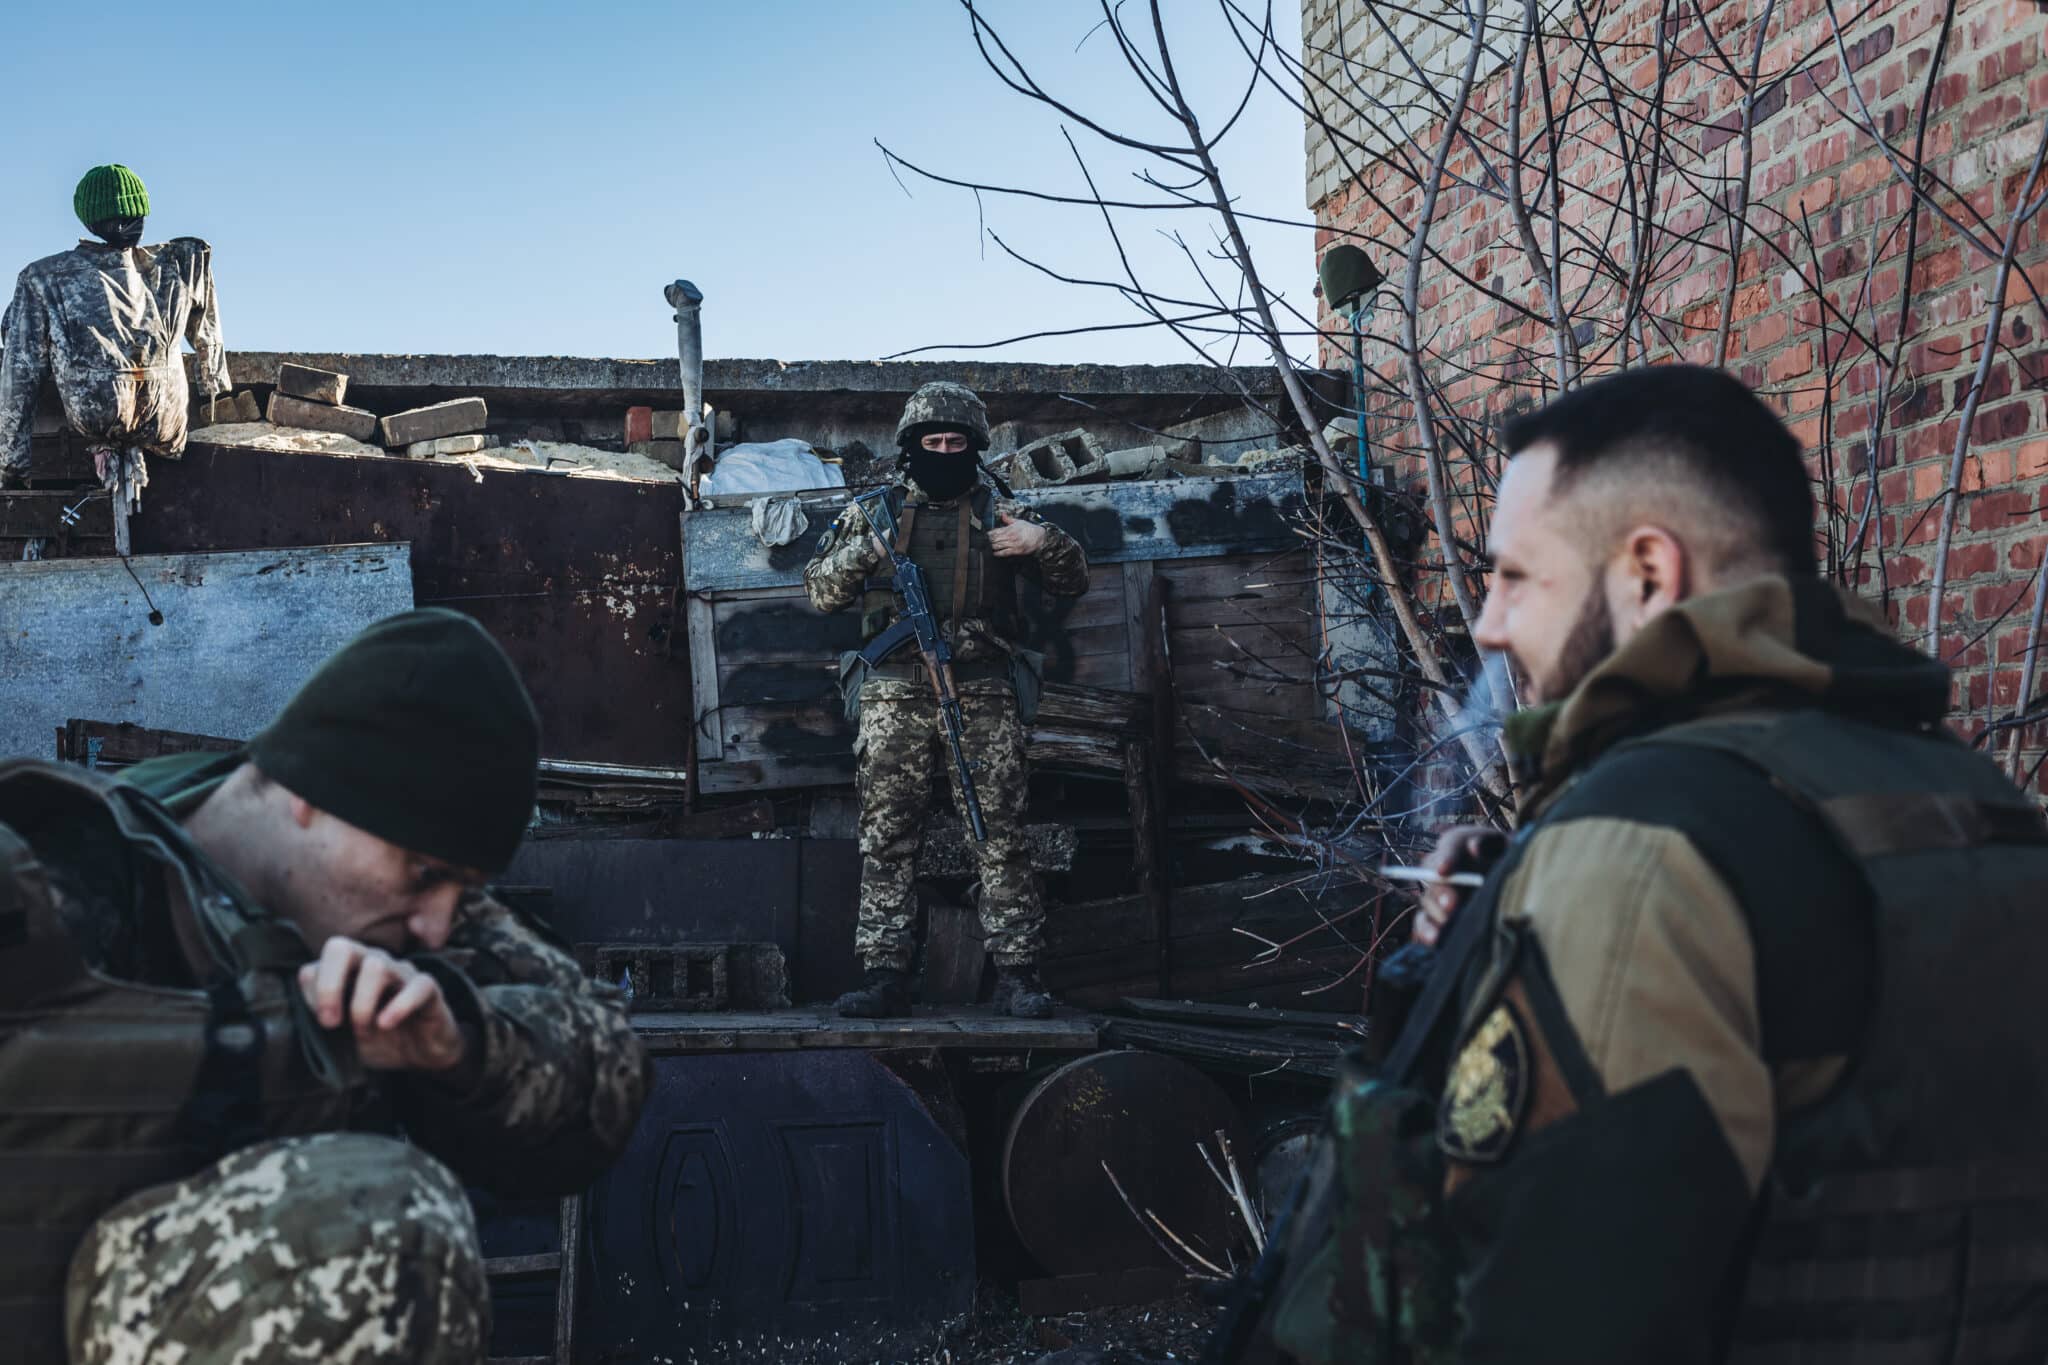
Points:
[(1115, 522), (575, 577)]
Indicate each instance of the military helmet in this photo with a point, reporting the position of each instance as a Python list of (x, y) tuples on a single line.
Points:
[(939, 405)]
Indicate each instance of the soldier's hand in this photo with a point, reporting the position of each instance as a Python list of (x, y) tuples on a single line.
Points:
[(1462, 848), (400, 1018), (1015, 537)]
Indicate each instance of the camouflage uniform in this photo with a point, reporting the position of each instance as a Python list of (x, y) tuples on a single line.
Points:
[(342, 1247), (901, 744), (346, 1247), (104, 323)]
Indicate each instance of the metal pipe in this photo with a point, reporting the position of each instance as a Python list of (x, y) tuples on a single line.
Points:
[(687, 299)]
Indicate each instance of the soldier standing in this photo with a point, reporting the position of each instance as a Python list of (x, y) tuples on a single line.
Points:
[(228, 982), (972, 545), (104, 321)]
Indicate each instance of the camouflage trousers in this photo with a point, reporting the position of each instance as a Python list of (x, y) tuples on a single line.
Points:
[(344, 1248), (900, 750)]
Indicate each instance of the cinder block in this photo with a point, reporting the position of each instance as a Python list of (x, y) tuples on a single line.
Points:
[(447, 445), (453, 418), (1065, 458), (247, 409), (288, 411), (667, 977), (315, 386)]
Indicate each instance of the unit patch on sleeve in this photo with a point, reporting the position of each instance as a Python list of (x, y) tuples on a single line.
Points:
[(1488, 1090)]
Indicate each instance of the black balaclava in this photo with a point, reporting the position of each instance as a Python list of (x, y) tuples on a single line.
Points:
[(119, 231), (942, 475)]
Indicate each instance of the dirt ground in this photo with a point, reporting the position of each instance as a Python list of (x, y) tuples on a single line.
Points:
[(996, 1333)]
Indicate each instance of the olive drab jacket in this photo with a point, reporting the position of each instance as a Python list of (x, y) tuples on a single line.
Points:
[(104, 323), (1741, 1058), (134, 973)]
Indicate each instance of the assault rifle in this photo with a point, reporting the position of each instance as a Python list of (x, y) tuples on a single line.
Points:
[(919, 625)]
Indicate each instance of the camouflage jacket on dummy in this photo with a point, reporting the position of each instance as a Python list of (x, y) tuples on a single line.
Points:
[(104, 323), (97, 874), (843, 566)]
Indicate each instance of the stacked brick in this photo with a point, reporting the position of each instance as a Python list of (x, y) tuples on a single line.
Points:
[(1827, 194), (310, 399)]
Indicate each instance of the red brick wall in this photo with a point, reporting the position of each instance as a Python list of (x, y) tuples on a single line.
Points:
[(1812, 163)]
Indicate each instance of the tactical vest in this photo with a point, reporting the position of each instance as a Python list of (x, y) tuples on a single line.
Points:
[(108, 1086), (1905, 1216), (969, 581)]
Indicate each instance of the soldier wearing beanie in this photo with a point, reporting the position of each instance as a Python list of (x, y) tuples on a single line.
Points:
[(235, 980), (972, 546), (104, 321)]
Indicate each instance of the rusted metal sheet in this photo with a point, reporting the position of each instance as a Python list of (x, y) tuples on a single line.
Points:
[(209, 644), (576, 577), (1116, 522), (781, 1197)]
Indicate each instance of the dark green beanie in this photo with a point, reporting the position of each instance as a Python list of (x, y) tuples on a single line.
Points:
[(109, 192), (418, 731)]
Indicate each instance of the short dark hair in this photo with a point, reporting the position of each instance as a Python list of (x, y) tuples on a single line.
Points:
[(1705, 419)]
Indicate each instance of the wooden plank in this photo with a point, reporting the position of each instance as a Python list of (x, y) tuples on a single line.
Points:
[(546, 1263), (700, 613), (565, 1287), (787, 1030), (749, 775), (117, 744), (1094, 670), (1226, 1016), (1137, 591), (1116, 522)]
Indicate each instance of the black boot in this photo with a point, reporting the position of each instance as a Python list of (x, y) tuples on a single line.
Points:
[(884, 994), (1019, 994)]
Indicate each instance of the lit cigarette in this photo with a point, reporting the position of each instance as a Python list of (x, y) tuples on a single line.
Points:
[(1423, 874)]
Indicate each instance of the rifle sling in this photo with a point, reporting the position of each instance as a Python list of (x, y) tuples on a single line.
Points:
[(1468, 931)]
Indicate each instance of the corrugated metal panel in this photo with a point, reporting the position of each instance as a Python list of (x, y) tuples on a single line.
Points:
[(238, 634)]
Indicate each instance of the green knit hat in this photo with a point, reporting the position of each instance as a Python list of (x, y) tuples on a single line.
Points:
[(418, 731), (110, 192)]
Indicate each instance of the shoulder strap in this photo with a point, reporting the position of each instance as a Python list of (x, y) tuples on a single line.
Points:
[(961, 563), (1929, 815)]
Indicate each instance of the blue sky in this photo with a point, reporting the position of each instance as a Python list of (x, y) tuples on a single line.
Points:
[(524, 179)]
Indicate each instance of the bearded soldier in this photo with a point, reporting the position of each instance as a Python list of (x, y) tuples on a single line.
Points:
[(972, 546), (1735, 1055), (229, 981)]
